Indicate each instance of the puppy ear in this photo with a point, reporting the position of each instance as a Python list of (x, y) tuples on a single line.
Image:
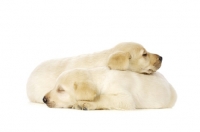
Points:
[(119, 60), (86, 91)]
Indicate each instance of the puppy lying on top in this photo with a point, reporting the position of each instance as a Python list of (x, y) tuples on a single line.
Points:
[(102, 88), (124, 56)]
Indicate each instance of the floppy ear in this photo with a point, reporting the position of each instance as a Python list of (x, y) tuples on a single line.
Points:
[(86, 91), (119, 60)]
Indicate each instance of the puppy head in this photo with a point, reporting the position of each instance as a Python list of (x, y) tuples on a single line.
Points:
[(134, 57), (59, 97), (70, 87)]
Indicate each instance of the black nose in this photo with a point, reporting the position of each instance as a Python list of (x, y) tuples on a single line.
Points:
[(45, 100), (160, 58)]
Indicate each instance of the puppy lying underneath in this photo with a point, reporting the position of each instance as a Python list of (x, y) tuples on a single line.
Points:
[(124, 56), (101, 88)]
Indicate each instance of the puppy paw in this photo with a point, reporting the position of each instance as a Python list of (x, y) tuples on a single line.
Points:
[(76, 106), (85, 105)]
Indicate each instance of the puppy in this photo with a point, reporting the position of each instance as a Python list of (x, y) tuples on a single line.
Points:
[(101, 88), (124, 56)]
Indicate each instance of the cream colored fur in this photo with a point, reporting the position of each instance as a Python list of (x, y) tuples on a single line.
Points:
[(120, 90), (124, 56)]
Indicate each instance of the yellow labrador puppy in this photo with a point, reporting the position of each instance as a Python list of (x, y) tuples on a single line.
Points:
[(124, 56), (102, 88)]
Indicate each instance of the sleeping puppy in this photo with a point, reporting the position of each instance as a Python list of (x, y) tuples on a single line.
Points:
[(101, 88), (124, 56)]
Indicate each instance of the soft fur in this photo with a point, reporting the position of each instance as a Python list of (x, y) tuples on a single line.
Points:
[(110, 89), (125, 56)]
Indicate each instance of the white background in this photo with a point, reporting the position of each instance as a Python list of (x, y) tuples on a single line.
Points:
[(37, 30)]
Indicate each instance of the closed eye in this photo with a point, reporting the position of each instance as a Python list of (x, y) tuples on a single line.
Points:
[(144, 54), (60, 89)]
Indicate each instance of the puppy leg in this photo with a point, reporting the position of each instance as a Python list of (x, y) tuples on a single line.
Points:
[(109, 102)]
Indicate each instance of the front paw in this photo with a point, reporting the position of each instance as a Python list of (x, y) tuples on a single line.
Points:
[(85, 105), (76, 106)]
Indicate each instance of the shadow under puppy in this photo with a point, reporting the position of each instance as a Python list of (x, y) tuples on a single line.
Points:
[(102, 88)]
